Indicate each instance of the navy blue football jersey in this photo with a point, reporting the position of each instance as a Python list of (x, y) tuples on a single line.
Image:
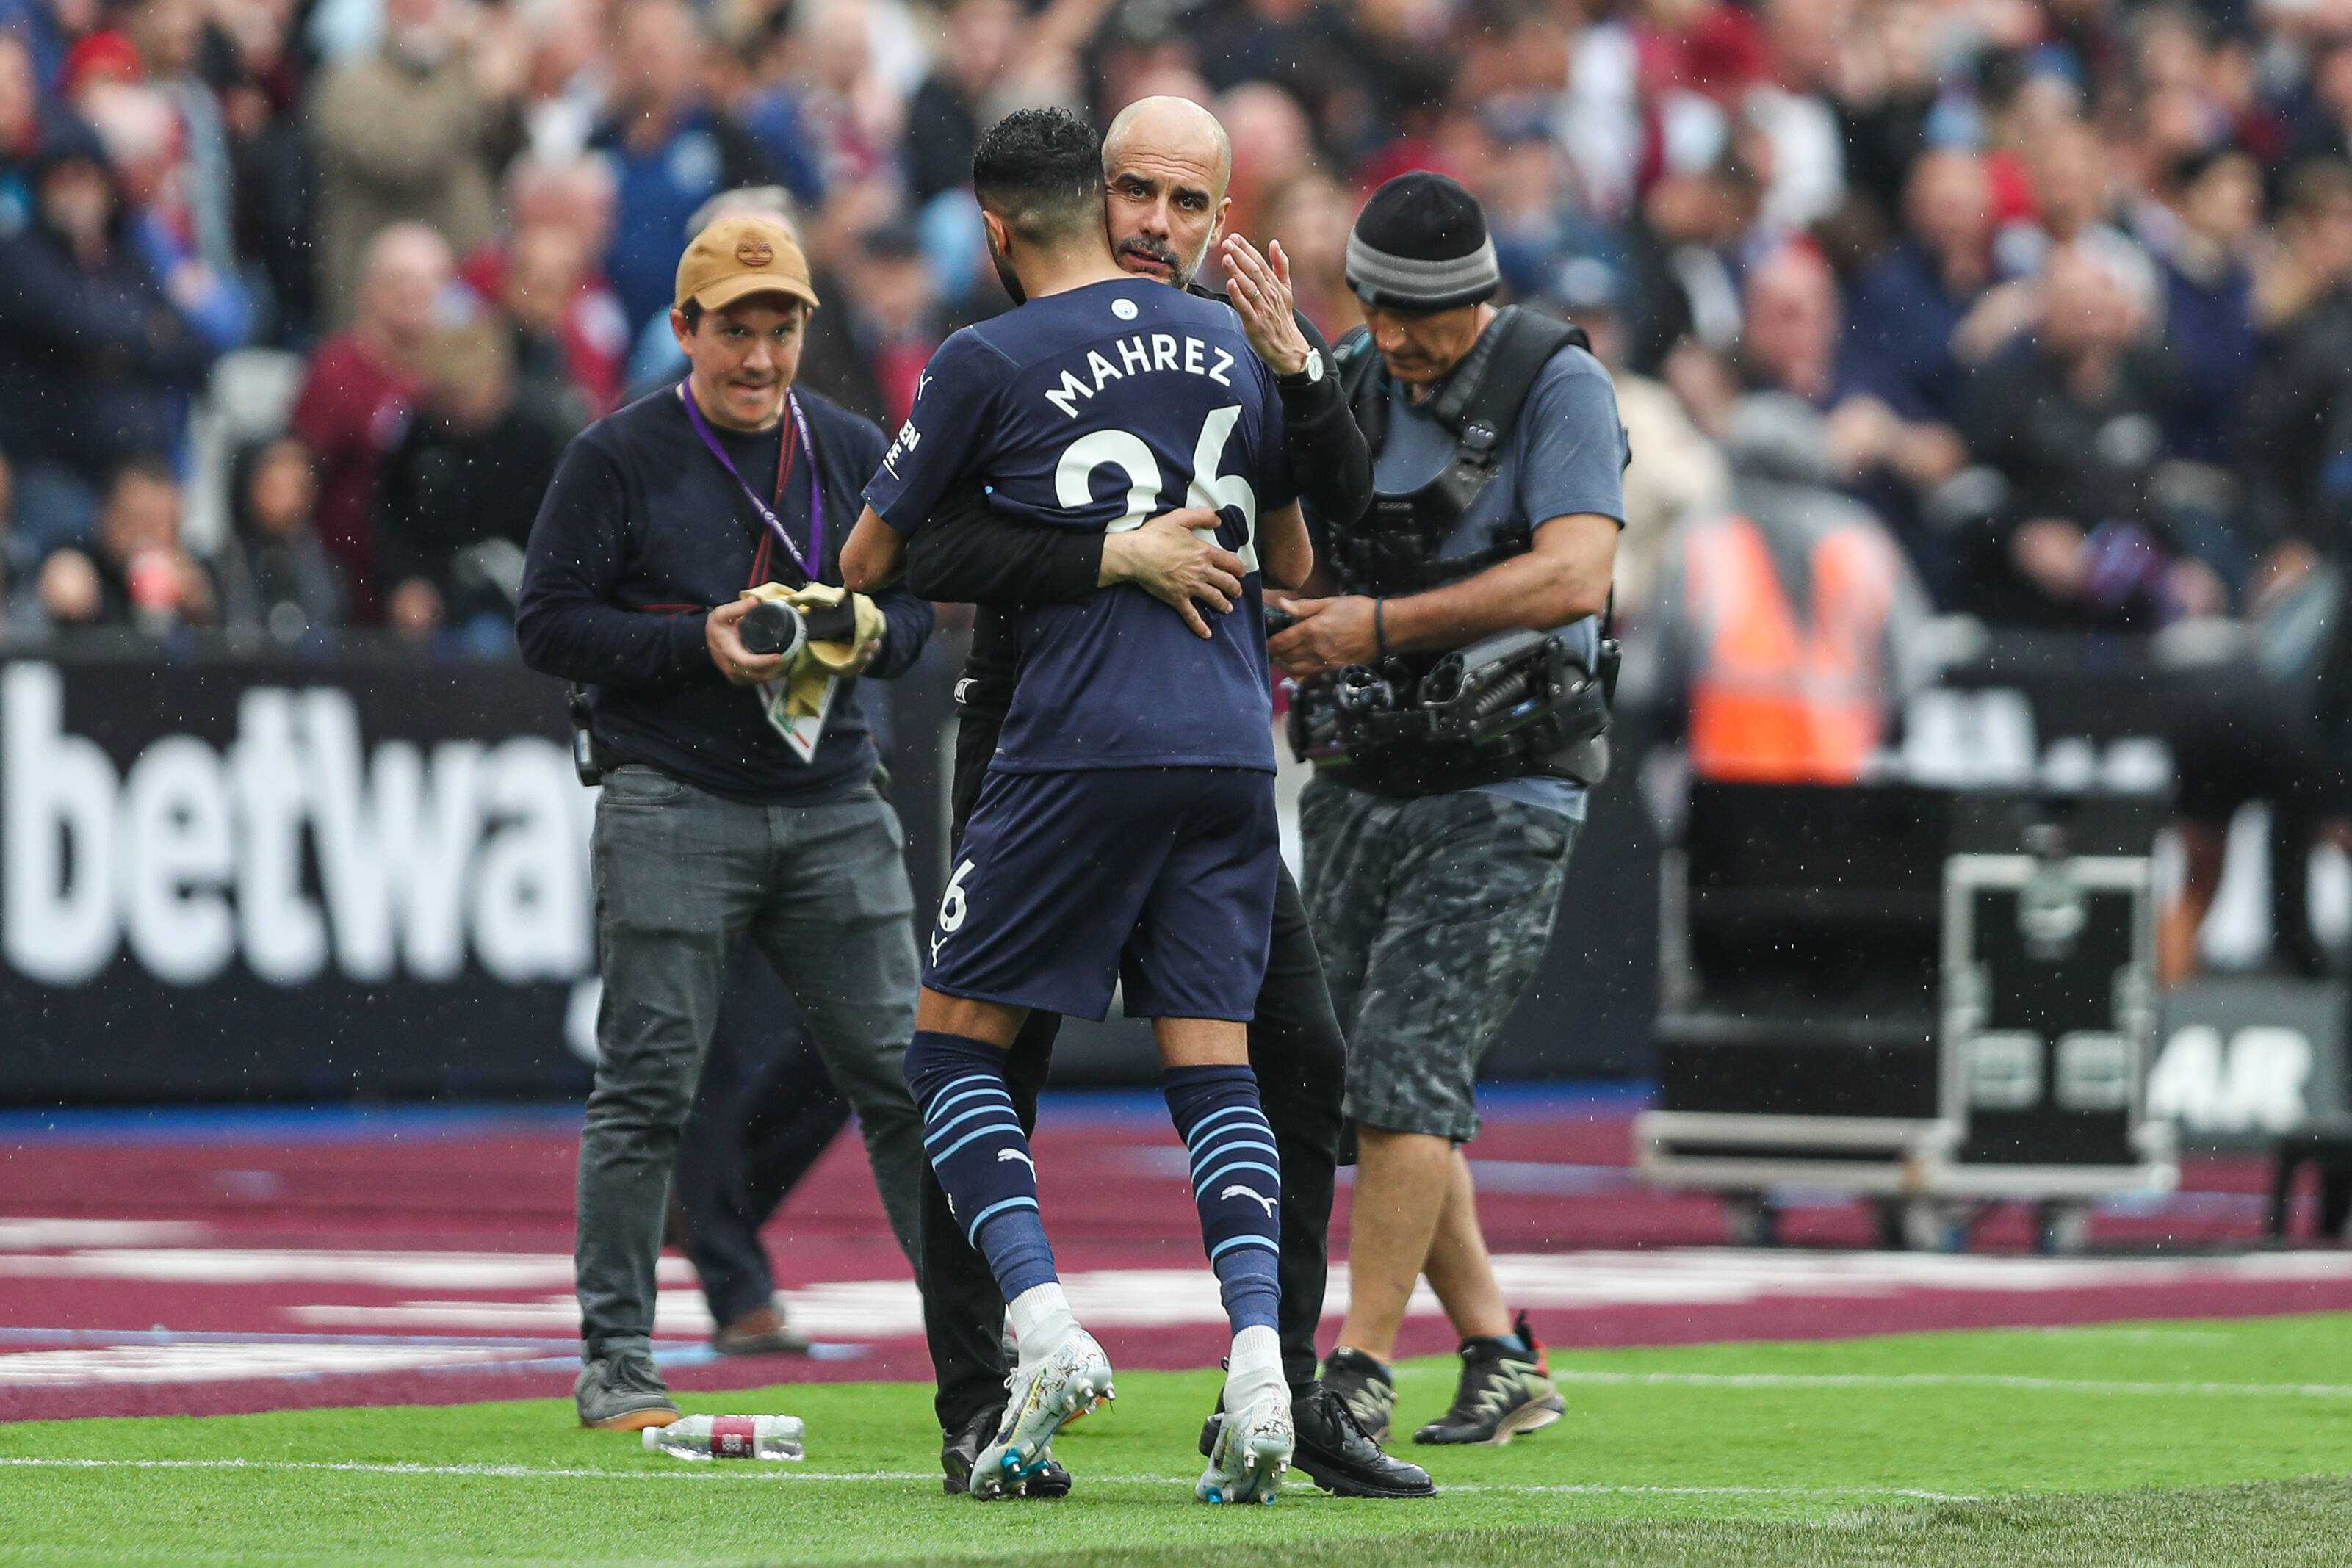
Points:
[(1097, 409)]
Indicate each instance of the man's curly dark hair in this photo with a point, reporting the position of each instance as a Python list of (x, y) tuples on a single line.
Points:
[(1040, 170)]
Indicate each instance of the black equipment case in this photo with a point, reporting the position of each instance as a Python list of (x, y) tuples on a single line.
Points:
[(1932, 998)]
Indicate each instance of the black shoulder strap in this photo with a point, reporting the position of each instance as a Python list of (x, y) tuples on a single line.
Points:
[(1488, 391), (1363, 384), (1493, 387)]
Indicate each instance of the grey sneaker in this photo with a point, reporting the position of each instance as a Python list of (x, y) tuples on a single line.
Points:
[(1504, 1391), (623, 1394), (1364, 1386)]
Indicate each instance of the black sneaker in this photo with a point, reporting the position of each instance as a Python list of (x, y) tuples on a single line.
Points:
[(1340, 1457), (1364, 1386), (1334, 1450), (963, 1445), (1505, 1391)]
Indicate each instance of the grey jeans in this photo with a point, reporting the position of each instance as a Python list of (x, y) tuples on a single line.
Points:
[(682, 878), (1432, 915)]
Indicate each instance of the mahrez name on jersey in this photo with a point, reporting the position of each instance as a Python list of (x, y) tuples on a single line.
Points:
[(1139, 355)]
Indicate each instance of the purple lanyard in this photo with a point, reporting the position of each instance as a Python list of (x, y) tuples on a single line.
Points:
[(767, 513)]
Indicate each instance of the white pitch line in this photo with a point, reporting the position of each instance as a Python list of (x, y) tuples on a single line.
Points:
[(1952, 1380), (772, 1472), (1599, 1488)]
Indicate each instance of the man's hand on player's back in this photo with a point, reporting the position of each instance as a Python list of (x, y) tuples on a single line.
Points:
[(1181, 569)]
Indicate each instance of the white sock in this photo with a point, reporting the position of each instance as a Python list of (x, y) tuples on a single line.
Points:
[(1254, 1369), (1041, 1318)]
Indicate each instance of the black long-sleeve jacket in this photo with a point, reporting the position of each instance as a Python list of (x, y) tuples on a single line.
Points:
[(2282, 427), (641, 535), (1006, 567), (93, 357)]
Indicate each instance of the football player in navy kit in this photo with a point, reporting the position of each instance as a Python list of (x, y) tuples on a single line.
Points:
[(1166, 164), (1126, 836)]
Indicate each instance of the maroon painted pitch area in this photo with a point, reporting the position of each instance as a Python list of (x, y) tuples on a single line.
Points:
[(265, 1263)]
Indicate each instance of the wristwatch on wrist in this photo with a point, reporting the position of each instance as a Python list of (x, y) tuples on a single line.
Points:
[(1308, 377)]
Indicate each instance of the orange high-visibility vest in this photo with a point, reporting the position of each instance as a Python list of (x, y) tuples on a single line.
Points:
[(1774, 701)]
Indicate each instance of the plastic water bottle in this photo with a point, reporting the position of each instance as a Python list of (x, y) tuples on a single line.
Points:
[(729, 1438)]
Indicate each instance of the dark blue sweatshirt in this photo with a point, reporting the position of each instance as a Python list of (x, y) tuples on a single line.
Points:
[(642, 533)]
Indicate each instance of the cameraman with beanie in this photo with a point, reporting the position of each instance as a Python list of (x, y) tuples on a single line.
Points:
[(1433, 869), (740, 796)]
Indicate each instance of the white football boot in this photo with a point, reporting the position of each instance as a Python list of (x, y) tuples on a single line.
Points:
[(1071, 1379), (1251, 1451)]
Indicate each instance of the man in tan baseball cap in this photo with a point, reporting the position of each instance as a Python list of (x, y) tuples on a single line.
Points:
[(660, 516), (743, 298)]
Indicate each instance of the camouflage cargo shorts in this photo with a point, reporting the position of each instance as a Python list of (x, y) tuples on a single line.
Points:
[(1432, 915)]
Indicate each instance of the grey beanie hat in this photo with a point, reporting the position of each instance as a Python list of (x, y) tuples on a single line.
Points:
[(1421, 243)]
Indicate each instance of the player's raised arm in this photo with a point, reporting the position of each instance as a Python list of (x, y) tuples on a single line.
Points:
[(967, 554), (954, 401), (873, 555), (1285, 554)]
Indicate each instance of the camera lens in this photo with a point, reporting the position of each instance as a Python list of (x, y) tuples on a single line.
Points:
[(768, 628), (1361, 690)]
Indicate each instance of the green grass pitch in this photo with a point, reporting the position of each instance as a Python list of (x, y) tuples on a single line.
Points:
[(2173, 1442)]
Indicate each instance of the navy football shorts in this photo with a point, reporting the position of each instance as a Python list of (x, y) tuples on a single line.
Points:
[(1160, 878)]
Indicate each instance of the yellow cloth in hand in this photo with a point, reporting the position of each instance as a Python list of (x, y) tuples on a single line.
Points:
[(818, 663)]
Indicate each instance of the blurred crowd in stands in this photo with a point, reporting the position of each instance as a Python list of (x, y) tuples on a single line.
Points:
[(300, 298)]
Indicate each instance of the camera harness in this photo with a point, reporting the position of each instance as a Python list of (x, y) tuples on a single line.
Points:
[(1517, 705)]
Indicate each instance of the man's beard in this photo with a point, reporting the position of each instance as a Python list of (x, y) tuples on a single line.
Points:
[(1006, 274), (1159, 251)]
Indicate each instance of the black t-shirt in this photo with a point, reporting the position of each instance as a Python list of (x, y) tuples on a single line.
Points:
[(641, 535), (446, 490), (2065, 456)]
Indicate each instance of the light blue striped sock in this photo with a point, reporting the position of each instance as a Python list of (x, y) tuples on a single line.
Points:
[(981, 1155), (1236, 1185)]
